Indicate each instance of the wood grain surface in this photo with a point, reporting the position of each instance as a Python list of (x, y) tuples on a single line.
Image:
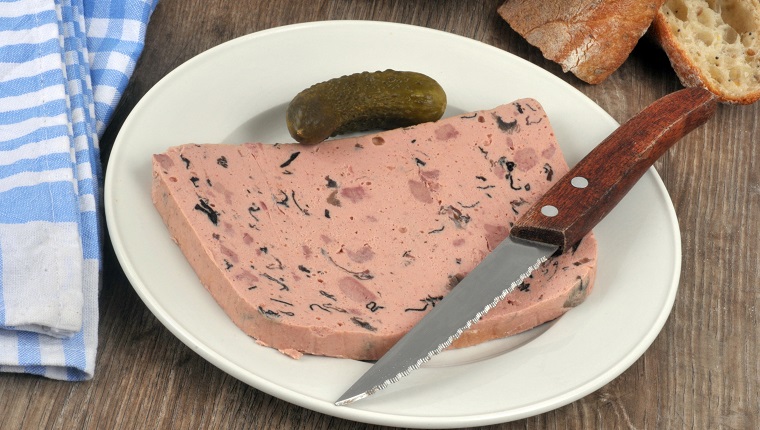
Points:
[(701, 372)]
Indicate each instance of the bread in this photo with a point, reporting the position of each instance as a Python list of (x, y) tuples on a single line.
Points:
[(713, 44), (589, 38)]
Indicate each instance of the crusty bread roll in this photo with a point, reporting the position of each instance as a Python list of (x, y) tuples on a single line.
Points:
[(589, 38), (713, 44)]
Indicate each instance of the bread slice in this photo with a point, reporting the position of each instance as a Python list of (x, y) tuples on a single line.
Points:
[(713, 44), (338, 249), (589, 38)]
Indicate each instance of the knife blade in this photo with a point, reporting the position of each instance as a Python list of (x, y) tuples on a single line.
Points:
[(557, 221)]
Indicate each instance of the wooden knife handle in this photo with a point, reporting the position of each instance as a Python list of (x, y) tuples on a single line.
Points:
[(589, 191)]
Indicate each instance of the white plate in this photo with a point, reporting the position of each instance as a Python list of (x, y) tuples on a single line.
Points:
[(238, 92)]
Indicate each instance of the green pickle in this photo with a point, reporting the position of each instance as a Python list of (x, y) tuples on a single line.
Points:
[(381, 100)]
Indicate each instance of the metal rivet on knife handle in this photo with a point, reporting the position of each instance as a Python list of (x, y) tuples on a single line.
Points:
[(635, 146), (579, 182), (549, 211)]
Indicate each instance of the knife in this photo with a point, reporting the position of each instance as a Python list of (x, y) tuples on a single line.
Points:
[(557, 221)]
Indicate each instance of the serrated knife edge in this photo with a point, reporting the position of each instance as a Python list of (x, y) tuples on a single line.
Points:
[(368, 385)]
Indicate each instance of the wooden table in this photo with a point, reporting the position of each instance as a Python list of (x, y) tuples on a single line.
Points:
[(701, 372)]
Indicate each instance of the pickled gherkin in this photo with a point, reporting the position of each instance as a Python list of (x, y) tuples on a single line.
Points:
[(364, 101)]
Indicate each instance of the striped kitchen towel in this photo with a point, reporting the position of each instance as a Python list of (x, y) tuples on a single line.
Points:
[(63, 67)]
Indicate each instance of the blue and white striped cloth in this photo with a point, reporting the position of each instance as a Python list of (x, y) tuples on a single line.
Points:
[(63, 67)]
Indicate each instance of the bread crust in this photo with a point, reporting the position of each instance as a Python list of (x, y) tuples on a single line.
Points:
[(589, 38), (692, 70)]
